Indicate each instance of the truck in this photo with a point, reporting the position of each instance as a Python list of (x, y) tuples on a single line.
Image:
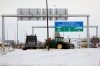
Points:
[(59, 43), (31, 42)]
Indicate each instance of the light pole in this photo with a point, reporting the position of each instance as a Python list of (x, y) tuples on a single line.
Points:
[(32, 30), (47, 23), (23, 35), (17, 32), (7, 36)]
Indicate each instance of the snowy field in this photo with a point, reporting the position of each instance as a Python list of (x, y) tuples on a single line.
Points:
[(54, 57)]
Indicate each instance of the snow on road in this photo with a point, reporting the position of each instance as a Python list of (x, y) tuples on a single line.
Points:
[(54, 57)]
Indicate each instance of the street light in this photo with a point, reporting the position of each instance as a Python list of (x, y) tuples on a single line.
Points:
[(25, 34), (47, 23), (17, 32)]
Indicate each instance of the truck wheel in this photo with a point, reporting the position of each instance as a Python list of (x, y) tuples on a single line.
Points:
[(25, 48), (67, 46), (59, 46)]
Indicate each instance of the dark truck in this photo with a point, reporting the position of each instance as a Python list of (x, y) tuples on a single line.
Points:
[(31, 42)]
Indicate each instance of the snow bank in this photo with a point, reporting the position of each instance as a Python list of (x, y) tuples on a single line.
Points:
[(54, 57), (6, 50)]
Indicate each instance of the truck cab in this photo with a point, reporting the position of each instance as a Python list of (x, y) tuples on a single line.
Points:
[(31, 42)]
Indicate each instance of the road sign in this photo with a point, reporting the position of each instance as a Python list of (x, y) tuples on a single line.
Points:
[(69, 26), (40, 14)]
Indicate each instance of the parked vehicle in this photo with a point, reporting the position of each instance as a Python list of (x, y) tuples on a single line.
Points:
[(31, 42), (59, 43)]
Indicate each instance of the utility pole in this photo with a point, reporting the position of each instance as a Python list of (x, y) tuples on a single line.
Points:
[(47, 24)]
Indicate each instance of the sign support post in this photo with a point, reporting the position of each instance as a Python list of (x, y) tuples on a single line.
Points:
[(88, 34), (3, 34)]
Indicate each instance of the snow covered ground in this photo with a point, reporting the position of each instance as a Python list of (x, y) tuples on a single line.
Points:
[(54, 57)]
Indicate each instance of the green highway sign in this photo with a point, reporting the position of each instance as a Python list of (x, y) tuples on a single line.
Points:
[(69, 27), (59, 29)]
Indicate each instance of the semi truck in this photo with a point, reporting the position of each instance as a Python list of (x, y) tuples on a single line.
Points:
[(31, 42)]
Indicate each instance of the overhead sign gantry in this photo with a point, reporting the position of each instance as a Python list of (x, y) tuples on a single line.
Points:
[(96, 28), (41, 14), (54, 16)]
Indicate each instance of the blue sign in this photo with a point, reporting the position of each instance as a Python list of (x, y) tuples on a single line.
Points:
[(69, 26), (69, 23)]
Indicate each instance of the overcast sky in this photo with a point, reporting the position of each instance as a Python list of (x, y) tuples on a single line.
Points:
[(91, 7)]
